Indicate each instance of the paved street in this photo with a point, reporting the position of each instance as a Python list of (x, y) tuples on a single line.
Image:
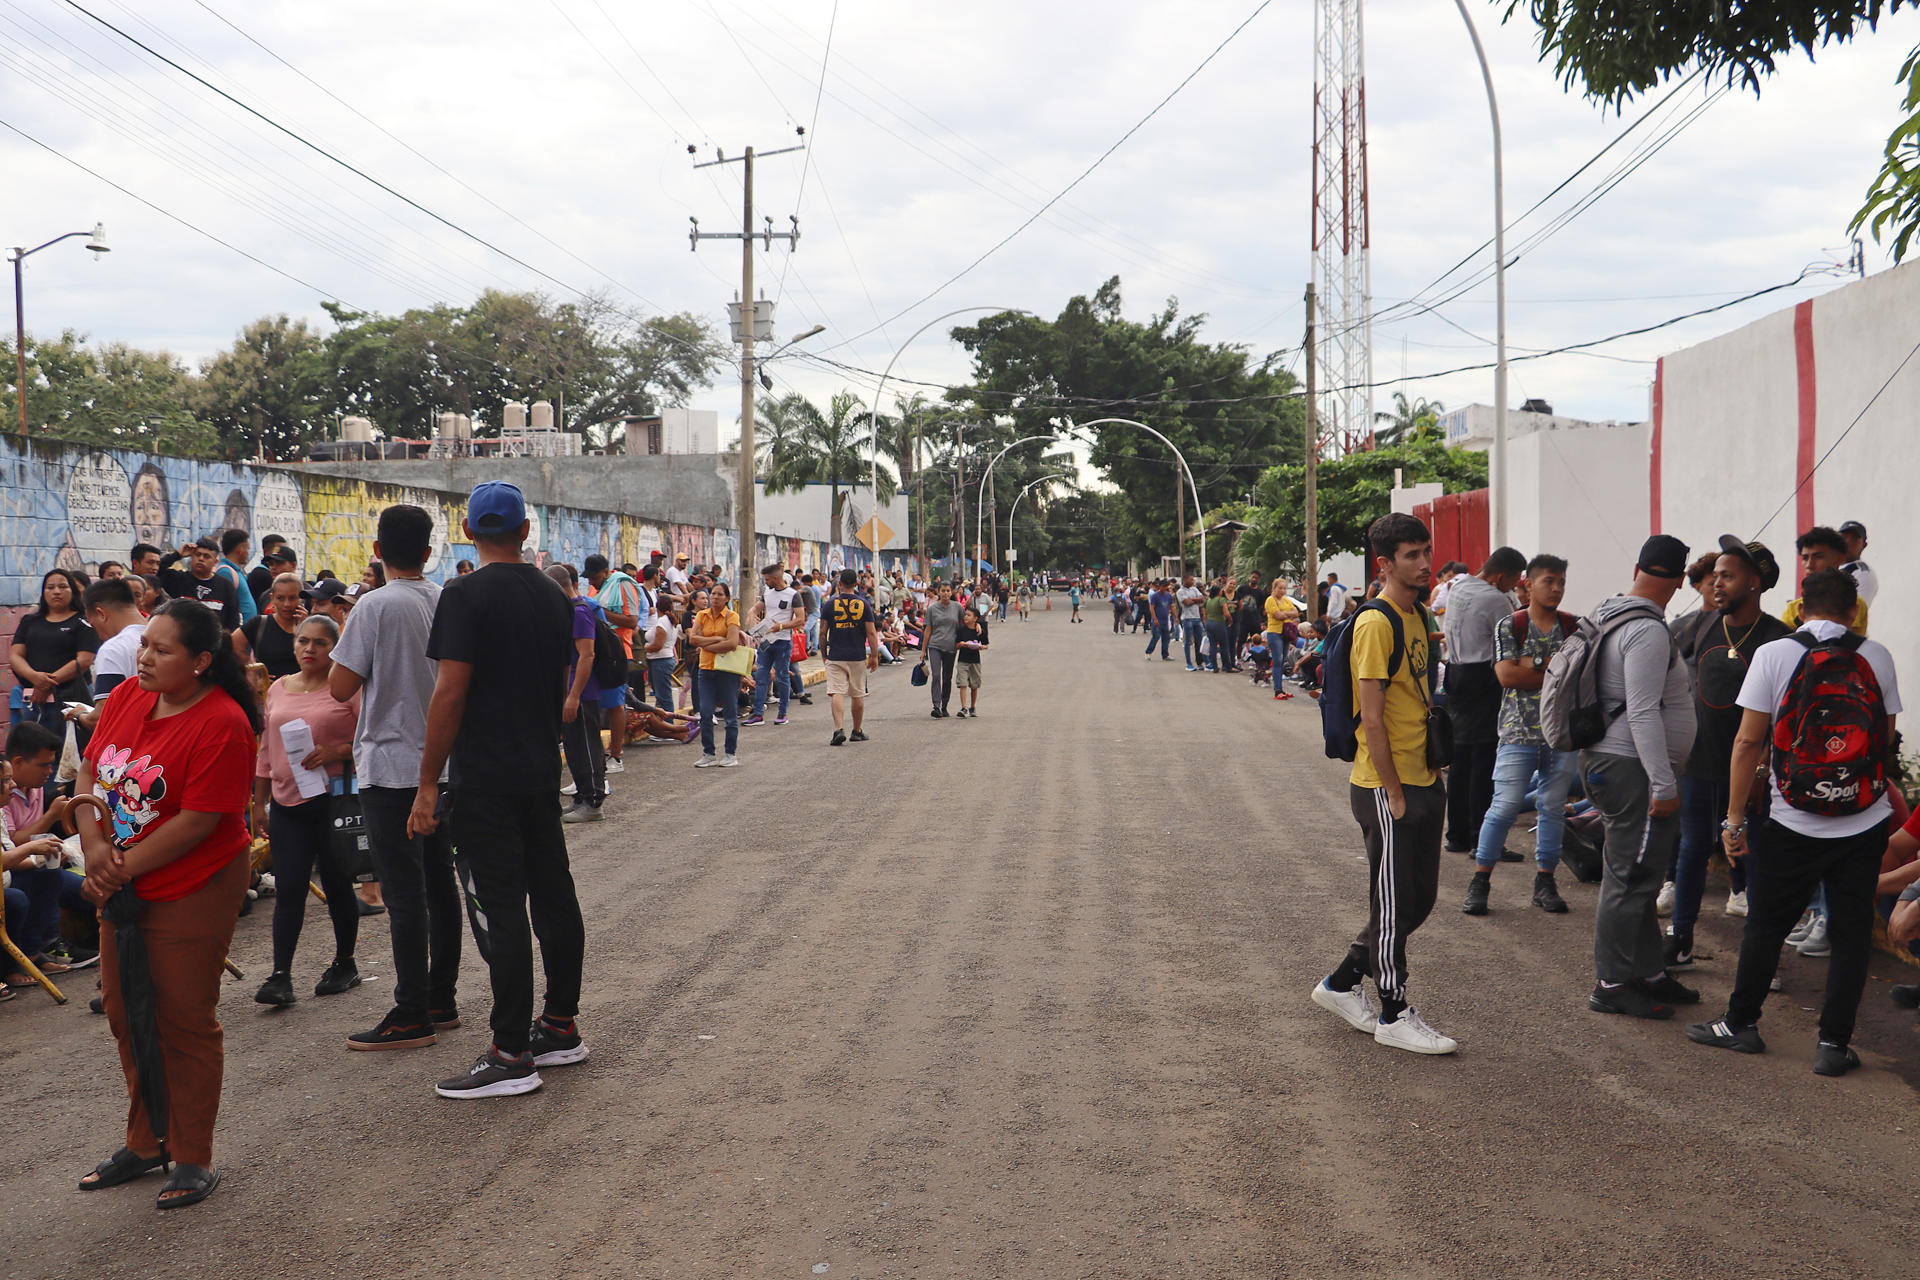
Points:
[(1021, 996)]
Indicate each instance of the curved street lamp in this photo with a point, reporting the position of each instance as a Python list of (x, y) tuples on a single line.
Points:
[(1199, 512), (980, 503), (1499, 467), (96, 243), (1011, 511), (873, 416)]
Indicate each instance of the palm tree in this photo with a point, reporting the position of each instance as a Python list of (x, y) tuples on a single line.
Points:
[(805, 446), (1411, 422)]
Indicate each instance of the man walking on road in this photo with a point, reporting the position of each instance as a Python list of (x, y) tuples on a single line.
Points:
[(383, 658), (782, 610), (1476, 608), (502, 635), (1160, 604), (1827, 827), (1397, 798), (1632, 778), (853, 650)]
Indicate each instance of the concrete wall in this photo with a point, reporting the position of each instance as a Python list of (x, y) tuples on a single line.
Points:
[(1575, 494), (692, 489), (1742, 419)]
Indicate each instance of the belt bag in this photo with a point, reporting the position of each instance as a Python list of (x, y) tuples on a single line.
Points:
[(348, 838)]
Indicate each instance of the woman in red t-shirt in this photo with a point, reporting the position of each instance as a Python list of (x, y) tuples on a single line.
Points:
[(172, 757)]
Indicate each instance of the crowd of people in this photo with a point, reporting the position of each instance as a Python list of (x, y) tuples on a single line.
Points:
[(393, 738)]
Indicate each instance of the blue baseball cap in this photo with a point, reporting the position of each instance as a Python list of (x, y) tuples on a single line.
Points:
[(496, 507)]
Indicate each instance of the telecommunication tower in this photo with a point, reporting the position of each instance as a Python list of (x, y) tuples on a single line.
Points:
[(1344, 415)]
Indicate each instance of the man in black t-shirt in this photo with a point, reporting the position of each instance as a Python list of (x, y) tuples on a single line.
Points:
[(852, 650), (502, 636), (1718, 647), (201, 583)]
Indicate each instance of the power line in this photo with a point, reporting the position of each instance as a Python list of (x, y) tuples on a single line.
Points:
[(279, 271), (1083, 175)]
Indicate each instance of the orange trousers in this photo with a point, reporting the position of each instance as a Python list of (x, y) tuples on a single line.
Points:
[(186, 941)]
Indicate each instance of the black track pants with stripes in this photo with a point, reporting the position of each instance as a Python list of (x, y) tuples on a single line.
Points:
[(1403, 857)]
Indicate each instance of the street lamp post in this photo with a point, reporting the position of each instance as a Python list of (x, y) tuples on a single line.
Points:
[(1499, 467), (1014, 509), (873, 416), (96, 243), (980, 503), (1199, 512)]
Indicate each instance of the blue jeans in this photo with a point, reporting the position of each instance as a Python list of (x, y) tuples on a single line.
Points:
[(1190, 633), (719, 691), (660, 674), (1703, 804), (1277, 650), (774, 662), (1513, 768), (47, 890), (1162, 635)]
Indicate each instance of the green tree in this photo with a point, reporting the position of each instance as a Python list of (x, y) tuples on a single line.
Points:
[(1230, 415), (1353, 492), (1614, 49), (1410, 421), (806, 446), (270, 393), (114, 395)]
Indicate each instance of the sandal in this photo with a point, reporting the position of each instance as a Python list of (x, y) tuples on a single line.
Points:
[(196, 1180), (6, 993), (121, 1166)]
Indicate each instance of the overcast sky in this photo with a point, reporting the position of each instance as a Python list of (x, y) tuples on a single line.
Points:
[(940, 129)]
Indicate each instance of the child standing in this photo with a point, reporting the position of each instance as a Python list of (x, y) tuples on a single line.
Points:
[(966, 666)]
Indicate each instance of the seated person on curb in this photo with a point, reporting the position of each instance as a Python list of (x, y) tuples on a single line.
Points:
[(38, 887)]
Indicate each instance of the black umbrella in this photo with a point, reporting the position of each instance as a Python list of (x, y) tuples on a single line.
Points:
[(138, 1001)]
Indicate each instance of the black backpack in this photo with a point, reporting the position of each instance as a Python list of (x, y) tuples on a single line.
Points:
[(609, 655)]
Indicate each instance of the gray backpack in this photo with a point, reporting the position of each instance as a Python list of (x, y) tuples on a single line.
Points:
[(1572, 717)]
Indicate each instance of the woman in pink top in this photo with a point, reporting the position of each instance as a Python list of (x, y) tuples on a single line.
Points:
[(298, 822)]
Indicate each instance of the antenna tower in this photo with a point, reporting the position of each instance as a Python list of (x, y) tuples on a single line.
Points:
[(1344, 416)]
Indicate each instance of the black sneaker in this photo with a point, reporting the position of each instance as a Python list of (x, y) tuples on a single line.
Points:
[(445, 1018), (1508, 855), (1477, 889), (276, 990), (396, 1031), (493, 1075), (1669, 990), (1454, 846), (1906, 997), (935, 714), (1679, 952), (81, 957), (1834, 1060), (1722, 1035), (858, 735), (341, 975), (806, 699), (552, 1047), (1628, 1000), (1546, 894), (839, 738)]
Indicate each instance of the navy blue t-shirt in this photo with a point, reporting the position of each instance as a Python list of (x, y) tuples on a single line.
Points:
[(847, 618)]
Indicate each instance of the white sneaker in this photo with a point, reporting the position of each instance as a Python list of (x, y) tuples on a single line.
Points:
[(1817, 943), (1737, 903), (615, 765), (729, 762), (1410, 1031), (706, 762), (567, 790), (1801, 930), (1355, 1006), (1663, 905)]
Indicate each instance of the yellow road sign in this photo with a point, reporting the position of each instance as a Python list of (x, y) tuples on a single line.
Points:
[(874, 534)]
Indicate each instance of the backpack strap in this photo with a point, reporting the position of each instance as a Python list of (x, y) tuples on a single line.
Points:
[(1520, 627)]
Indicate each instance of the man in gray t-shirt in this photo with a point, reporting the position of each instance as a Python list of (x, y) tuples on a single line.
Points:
[(382, 656)]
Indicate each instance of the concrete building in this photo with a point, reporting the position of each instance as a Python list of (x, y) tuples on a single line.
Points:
[(671, 431)]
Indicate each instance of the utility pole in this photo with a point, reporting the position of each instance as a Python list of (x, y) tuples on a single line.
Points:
[(1310, 588), (743, 502)]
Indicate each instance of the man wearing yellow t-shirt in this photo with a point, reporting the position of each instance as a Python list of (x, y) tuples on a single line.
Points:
[(1397, 797), (1823, 548)]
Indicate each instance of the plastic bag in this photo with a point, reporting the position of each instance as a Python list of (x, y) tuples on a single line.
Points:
[(70, 755)]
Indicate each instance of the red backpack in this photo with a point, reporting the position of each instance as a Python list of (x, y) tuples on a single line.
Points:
[(1830, 737), (1568, 625)]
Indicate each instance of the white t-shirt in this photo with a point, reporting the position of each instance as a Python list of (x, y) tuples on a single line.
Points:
[(663, 622), (1865, 580), (1767, 679), (781, 604), (678, 577), (118, 656), (1336, 601), (1190, 599)]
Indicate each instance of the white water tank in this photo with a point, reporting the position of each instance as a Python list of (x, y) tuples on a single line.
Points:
[(358, 430), (463, 428), (446, 426), (513, 416), (543, 415)]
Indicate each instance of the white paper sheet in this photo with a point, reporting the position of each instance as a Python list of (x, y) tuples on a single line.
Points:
[(297, 737)]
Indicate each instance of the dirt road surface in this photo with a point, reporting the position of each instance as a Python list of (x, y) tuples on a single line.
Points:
[(1016, 996)]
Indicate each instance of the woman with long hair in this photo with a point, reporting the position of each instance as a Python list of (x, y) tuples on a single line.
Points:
[(298, 824), (716, 630), (690, 652), (172, 762), (53, 648)]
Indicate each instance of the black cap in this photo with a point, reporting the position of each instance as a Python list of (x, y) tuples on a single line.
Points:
[(326, 589), (1663, 556), (1854, 526), (281, 554), (1757, 556)]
